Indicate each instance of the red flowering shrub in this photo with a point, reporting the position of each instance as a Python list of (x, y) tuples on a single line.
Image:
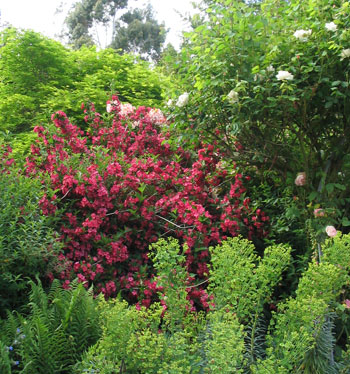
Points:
[(121, 186)]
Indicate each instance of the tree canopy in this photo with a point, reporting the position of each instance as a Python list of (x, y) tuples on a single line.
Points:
[(134, 31)]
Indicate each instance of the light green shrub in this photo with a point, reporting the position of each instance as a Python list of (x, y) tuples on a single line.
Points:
[(301, 337), (242, 281)]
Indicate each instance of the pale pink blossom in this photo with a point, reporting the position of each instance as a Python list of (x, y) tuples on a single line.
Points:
[(331, 231), (110, 105), (126, 109), (300, 180), (347, 304), (156, 116), (319, 212)]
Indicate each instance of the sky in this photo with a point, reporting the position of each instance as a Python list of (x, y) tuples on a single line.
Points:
[(41, 15)]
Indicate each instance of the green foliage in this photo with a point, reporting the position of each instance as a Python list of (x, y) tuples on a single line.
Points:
[(231, 64), (30, 67), (237, 272), (86, 15), (224, 347), (59, 327), (180, 341), (138, 32), (5, 362), (28, 247), (301, 337), (133, 342), (38, 76), (172, 276)]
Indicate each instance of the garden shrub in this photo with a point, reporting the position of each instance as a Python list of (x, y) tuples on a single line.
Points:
[(269, 81), (302, 337), (28, 244), (170, 337), (121, 185)]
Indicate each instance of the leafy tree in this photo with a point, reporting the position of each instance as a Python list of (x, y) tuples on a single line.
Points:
[(139, 32), (88, 14), (31, 65), (39, 76)]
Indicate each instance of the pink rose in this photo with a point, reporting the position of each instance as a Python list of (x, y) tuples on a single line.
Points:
[(300, 180), (331, 231), (319, 212), (347, 303)]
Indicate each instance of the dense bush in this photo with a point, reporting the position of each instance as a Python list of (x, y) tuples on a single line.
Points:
[(183, 341), (120, 186), (269, 80), (28, 246), (300, 337)]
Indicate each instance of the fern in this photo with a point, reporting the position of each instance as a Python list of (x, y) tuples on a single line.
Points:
[(5, 361), (60, 326)]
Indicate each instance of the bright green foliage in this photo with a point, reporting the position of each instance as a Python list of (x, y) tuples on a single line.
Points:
[(301, 336), (38, 76), (97, 75), (59, 327), (134, 342), (169, 264), (30, 67), (28, 247), (224, 346), (142, 341), (240, 280)]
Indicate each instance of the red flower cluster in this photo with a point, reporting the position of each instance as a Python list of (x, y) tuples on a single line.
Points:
[(122, 186)]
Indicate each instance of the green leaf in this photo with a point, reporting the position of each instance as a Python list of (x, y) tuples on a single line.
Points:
[(345, 221), (313, 195)]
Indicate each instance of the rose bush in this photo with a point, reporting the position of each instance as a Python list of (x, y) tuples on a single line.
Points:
[(121, 186), (288, 63)]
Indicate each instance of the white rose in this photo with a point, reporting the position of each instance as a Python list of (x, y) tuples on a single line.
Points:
[(232, 97), (270, 69), (169, 103), (183, 100), (284, 75), (345, 53), (302, 34), (331, 26)]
